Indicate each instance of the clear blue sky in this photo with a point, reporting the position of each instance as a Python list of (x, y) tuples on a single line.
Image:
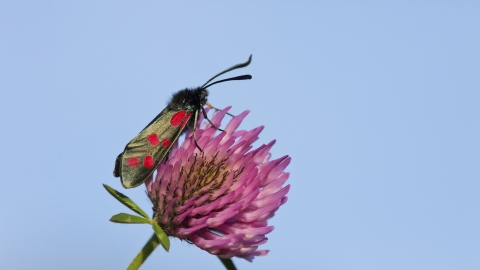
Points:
[(378, 104)]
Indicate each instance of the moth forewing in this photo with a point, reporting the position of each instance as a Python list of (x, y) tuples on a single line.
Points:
[(144, 153)]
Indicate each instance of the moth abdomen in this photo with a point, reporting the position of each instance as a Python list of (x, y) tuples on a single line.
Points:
[(117, 170)]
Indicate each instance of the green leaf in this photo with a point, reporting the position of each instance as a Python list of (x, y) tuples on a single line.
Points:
[(126, 201), (131, 219), (144, 253), (162, 237), (228, 263)]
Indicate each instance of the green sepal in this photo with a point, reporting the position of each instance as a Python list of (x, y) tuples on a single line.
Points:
[(228, 263), (126, 201), (130, 219), (162, 236)]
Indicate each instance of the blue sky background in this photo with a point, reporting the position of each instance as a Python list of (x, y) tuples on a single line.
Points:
[(378, 104)]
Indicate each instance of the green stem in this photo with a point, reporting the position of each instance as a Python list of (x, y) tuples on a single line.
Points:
[(144, 253), (228, 263)]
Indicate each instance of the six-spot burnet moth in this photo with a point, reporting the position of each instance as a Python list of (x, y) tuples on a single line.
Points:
[(143, 154)]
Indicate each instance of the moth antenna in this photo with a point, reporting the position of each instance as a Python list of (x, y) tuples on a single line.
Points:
[(242, 77), (195, 131), (217, 109), (206, 117), (241, 65)]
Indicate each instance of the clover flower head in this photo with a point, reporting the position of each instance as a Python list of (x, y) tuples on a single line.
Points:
[(221, 198)]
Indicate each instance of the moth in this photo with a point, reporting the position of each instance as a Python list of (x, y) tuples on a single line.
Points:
[(144, 153)]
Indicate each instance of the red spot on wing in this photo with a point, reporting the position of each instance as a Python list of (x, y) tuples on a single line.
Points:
[(132, 162), (153, 139), (186, 120), (177, 118), (148, 162), (166, 143)]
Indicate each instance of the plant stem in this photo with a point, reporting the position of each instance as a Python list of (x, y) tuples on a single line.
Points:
[(228, 263), (144, 253)]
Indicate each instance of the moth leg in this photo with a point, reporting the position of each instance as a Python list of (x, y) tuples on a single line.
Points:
[(217, 109), (195, 131), (206, 117)]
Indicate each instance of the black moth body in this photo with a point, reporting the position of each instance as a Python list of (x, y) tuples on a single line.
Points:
[(144, 153)]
